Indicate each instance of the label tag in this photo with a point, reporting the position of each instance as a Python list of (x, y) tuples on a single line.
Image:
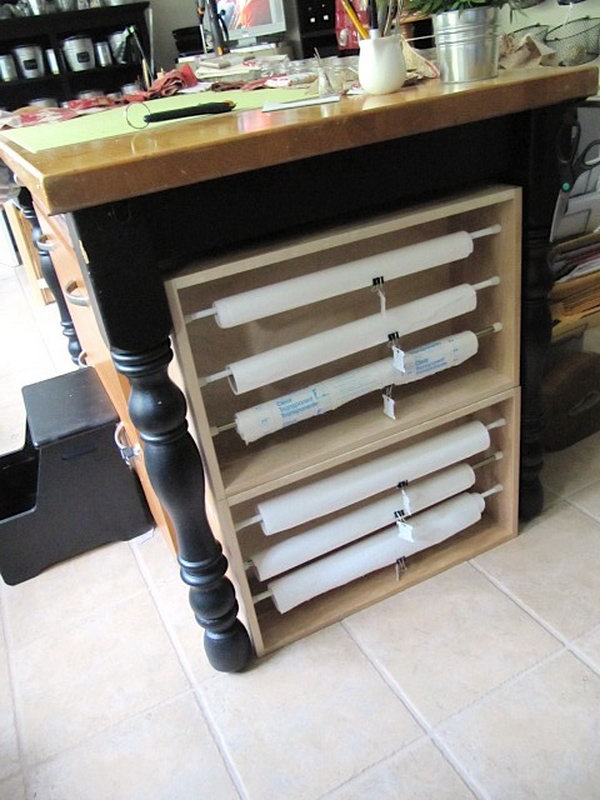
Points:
[(406, 503), (398, 358), (405, 530), (389, 405)]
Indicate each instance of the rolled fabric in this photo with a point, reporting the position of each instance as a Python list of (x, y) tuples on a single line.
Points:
[(258, 421), (311, 544), (353, 485), (321, 348), (375, 552), (286, 295)]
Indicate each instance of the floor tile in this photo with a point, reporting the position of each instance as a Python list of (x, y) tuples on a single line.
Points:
[(171, 597), (156, 556), (449, 640), (553, 569), (164, 754), (73, 683), (308, 718), (69, 592), (12, 789), (583, 461), (9, 750), (419, 772), (537, 738), (588, 500), (589, 645)]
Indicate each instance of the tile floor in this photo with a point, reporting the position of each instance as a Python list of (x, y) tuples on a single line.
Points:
[(481, 683)]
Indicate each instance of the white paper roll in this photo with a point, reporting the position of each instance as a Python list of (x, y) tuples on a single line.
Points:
[(321, 348), (311, 544), (375, 552), (258, 421), (353, 485), (296, 292)]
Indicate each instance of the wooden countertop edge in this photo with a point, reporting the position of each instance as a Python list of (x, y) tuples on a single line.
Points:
[(290, 136)]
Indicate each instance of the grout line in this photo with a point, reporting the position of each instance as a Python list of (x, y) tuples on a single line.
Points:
[(27, 768), (590, 516), (567, 643), (407, 748), (221, 746), (97, 612), (230, 767), (445, 751)]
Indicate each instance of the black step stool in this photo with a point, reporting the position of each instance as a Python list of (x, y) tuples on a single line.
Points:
[(68, 490)]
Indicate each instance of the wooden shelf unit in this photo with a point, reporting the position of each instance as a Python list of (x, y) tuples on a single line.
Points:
[(49, 30), (484, 387)]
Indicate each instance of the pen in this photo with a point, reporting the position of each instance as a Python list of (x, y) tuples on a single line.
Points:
[(353, 16), (194, 111)]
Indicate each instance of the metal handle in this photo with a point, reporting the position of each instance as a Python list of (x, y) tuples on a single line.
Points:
[(75, 299), (128, 452), (44, 242)]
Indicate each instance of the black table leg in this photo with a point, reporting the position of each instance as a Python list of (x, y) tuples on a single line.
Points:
[(137, 322), (49, 273), (541, 186)]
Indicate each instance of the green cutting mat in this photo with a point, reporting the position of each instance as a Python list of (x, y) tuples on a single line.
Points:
[(106, 124)]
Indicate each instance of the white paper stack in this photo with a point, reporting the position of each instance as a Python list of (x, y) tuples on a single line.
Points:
[(353, 485), (329, 536), (286, 295), (353, 337), (375, 552)]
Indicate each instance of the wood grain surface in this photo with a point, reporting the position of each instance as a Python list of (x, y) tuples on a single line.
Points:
[(80, 176)]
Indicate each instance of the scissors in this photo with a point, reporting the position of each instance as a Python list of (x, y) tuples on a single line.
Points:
[(571, 165)]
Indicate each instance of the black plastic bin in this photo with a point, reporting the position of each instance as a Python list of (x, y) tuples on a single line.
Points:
[(68, 490)]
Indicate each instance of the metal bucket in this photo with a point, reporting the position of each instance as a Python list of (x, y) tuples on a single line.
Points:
[(467, 44)]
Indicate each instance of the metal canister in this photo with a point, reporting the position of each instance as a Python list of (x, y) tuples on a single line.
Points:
[(8, 68), (30, 59), (52, 61), (44, 102), (103, 56)]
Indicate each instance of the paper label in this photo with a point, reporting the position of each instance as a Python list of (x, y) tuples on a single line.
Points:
[(399, 363), (405, 530), (389, 406), (406, 503)]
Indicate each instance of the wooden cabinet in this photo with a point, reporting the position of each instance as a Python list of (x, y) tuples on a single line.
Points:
[(48, 32), (484, 387)]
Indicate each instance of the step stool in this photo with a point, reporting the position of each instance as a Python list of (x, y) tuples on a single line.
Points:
[(68, 490)]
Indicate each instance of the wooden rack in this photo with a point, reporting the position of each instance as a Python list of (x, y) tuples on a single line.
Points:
[(485, 387)]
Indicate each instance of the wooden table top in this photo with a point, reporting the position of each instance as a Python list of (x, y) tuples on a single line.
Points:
[(183, 153)]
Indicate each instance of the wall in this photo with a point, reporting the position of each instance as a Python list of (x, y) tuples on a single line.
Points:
[(170, 15), (550, 13)]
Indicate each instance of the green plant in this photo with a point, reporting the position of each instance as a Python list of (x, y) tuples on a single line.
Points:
[(429, 7)]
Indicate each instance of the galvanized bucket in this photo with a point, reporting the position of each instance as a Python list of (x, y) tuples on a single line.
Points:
[(467, 44)]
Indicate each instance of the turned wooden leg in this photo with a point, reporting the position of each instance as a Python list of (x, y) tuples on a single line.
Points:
[(541, 186), (158, 409), (537, 334), (49, 274)]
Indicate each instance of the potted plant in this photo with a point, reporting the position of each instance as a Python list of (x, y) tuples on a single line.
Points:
[(467, 36)]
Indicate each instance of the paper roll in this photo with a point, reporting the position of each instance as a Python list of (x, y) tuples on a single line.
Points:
[(353, 485), (321, 348), (296, 292), (258, 421), (311, 544), (375, 552)]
